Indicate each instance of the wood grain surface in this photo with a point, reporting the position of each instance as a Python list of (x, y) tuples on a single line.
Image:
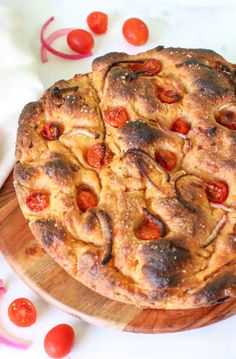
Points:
[(53, 284)]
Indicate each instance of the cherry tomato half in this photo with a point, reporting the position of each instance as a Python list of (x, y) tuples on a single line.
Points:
[(166, 159), (227, 119), (135, 31), (22, 312), (180, 126), (168, 96), (59, 341), (98, 155), (51, 131), (116, 116), (86, 199), (148, 230), (97, 22), (80, 41), (216, 192), (37, 201), (152, 66)]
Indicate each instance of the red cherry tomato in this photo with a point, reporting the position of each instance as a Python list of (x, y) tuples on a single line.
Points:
[(152, 66), (168, 96), (166, 159), (22, 312), (97, 22), (180, 126), (59, 341), (116, 116), (86, 199), (216, 192), (98, 155), (37, 201), (80, 41), (51, 131), (148, 230), (135, 31)]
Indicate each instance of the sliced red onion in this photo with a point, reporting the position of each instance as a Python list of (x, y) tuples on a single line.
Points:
[(187, 205), (221, 206), (83, 131), (214, 233), (16, 344), (106, 227), (46, 43), (105, 223), (51, 38), (166, 129), (2, 287), (144, 174), (138, 152)]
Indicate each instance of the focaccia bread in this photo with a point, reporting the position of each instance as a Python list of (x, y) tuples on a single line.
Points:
[(127, 176)]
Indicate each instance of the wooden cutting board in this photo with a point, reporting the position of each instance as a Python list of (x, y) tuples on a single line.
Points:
[(53, 284)]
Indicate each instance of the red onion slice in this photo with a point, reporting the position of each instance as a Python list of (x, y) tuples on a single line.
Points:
[(2, 287), (51, 38), (214, 233), (16, 344), (46, 43), (221, 206)]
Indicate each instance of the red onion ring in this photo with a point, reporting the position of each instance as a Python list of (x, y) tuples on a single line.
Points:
[(51, 38), (214, 233), (13, 343), (46, 43), (2, 287)]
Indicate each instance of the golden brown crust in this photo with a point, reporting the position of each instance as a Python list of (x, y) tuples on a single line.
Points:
[(194, 264)]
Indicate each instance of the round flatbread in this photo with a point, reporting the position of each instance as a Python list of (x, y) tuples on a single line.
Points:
[(127, 176)]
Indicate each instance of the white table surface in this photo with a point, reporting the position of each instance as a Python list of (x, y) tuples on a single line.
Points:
[(190, 23)]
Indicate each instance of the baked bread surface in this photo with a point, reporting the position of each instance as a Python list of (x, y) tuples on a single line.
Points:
[(193, 261)]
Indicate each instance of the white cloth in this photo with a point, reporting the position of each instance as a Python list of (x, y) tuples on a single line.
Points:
[(19, 84), (191, 23)]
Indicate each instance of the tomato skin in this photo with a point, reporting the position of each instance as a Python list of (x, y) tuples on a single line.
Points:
[(51, 131), (59, 341), (98, 155), (152, 66), (22, 312), (168, 96), (86, 199), (180, 126), (116, 116), (216, 192), (98, 22), (37, 201), (135, 31), (80, 41), (166, 159), (148, 231)]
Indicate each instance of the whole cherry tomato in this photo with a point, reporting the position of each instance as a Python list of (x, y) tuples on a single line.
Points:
[(59, 341), (80, 41), (135, 31), (97, 22)]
